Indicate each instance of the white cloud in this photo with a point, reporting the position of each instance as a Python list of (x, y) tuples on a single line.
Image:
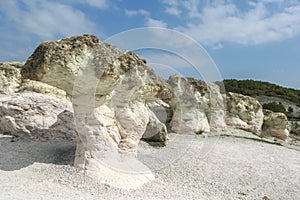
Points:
[(172, 7), (101, 4), (150, 22), (137, 12), (173, 11), (217, 46), (155, 23), (214, 23), (46, 19)]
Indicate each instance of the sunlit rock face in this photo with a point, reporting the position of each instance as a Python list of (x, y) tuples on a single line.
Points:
[(217, 109), (10, 76), (31, 109), (189, 103), (244, 112), (110, 90), (198, 107), (110, 99), (36, 116), (276, 125)]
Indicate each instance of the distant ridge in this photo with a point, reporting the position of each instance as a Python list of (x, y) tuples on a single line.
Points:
[(261, 88)]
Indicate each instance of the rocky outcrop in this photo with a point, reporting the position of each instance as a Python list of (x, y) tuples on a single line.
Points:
[(110, 90), (35, 116), (276, 125), (217, 109), (10, 76), (244, 112), (296, 128), (117, 100), (190, 103)]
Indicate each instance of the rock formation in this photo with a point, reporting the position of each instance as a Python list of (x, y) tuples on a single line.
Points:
[(244, 112), (10, 77), (190, 103), (296, 128), (25, 113), (110, 99), (110, 90), (34, 116), (276, 125)]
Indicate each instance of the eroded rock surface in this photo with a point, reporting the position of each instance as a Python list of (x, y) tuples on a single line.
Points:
[(10, 76), (32, 115), (244, 112), (296, 128), (156, 131), (110, 90), (116, 100), (276, 125), (190, 103)]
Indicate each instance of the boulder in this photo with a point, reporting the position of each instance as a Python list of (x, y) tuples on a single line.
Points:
[(10, 76), (32, 115), (156, 131), (162, 110), (159, 121), (244, 112), (296, 128), (276, 125), (189, 103)]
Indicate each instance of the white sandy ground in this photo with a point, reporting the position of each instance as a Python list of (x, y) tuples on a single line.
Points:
[(236, 168)]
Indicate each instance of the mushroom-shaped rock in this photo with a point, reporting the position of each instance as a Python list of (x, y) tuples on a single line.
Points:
[(110, 90)]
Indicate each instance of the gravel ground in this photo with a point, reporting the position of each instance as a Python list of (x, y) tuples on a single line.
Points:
[(235, 168)]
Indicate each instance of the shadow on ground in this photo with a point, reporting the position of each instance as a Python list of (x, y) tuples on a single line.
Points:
[(19, 153)]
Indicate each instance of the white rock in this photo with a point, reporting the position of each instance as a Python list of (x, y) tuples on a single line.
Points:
[(26, 114), (190, 104), (276, 125), (244, 112)]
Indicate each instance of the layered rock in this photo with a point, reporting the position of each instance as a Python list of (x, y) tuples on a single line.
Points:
[(276, 125), (244, 112)]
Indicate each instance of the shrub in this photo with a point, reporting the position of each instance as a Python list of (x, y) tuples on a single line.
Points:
[(275, 107)]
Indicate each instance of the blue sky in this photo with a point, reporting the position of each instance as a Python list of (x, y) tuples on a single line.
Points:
[(246, 39)]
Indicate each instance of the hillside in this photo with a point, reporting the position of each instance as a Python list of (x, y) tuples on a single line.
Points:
[(281, 98)]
